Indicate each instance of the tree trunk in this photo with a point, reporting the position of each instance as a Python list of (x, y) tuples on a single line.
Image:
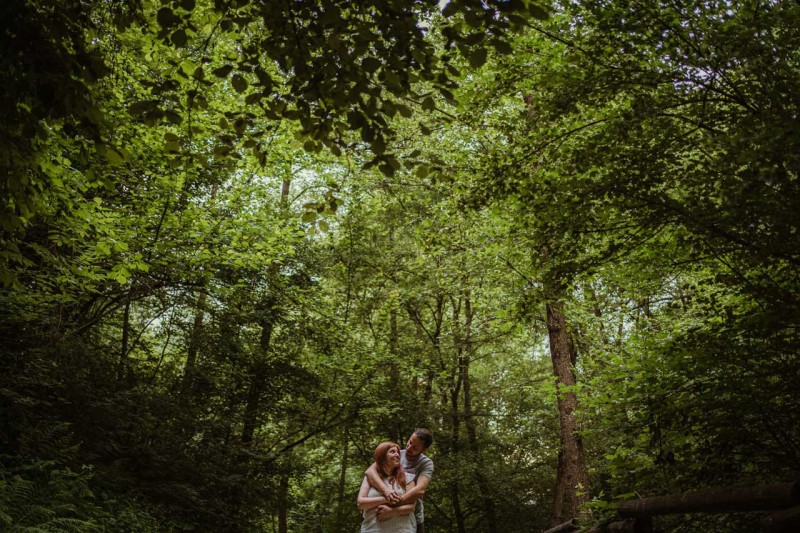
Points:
[(259, 377), (469, 422), (455, 428), (459, 515), (267, 322), (573, 464), (454, 436), (557, 516), (454, 385), (395, 429), (341, 504), (598, 313), (434, 336), (190, 369), (283, 504), (126, 329)]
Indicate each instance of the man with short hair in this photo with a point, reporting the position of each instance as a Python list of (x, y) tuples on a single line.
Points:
[(415, 463)]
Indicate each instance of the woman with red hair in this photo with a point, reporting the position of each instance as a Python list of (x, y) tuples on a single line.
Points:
[(378, 516)]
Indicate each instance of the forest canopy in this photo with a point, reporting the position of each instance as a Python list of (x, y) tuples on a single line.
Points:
[(243, 242)]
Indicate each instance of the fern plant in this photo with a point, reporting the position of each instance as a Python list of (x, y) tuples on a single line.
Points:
[(43, 497)]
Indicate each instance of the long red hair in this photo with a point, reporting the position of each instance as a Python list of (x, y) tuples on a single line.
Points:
[(395, 473)]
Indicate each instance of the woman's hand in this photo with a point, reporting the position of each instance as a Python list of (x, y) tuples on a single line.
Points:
[(384, 513), (392, 497)]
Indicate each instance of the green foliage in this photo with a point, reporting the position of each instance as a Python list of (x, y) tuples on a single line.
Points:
[(244, 242), (45, 497)]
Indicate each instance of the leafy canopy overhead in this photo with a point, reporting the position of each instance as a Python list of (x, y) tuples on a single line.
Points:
[(339, 65), (330, 67)]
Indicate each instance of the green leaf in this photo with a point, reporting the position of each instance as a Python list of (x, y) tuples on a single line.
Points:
[(386, 169), (114, 157), (473, 19), (253, 98), (502, 47), (200, 102), (367, 134), (173, 116), (477, 58), (140, 108), (474, 38), (378, 145), (517, 21), (223, 71), (179, 38), (389, 108), (450, 9), (538, 11), (188, 66), (172, 147), (370, 64), (239, 83), (404, 110), (167, 18)]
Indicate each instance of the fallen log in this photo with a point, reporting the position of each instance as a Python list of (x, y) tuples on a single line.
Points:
[(783, 522), (566, 527), (737, 499)]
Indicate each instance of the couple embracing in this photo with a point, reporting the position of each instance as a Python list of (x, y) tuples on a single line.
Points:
[(391, 492)]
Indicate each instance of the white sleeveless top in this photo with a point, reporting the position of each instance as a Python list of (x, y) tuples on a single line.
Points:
[(398, 524)]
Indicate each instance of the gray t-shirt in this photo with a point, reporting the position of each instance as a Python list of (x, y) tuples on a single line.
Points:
[(422, 466)]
